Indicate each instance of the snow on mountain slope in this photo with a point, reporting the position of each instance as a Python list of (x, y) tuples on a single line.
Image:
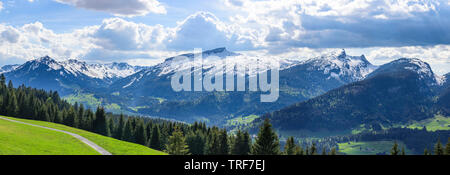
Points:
[(422, 69), (8, 68), (100, 71), (339, 65), (76, 68)]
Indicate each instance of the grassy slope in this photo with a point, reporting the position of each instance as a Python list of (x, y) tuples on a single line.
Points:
[(116, 147), (21, 139), (370, 148), (438, 122)]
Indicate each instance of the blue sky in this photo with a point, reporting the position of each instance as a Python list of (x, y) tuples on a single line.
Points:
[(146, 31)]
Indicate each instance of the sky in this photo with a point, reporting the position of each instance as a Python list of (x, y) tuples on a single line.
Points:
[(144, 32)]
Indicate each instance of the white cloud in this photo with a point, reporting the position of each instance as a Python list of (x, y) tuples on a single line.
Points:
[(118, 34), (9, 34), (1, 6), (205, 30), (124, 8), (342, 23), (273, 29), (438, 56)]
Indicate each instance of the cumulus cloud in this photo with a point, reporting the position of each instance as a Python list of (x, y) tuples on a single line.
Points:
[(9, 34), (438, 56), (205, 30), (118, 34), (344, 23), (125, 8), (284, 30)]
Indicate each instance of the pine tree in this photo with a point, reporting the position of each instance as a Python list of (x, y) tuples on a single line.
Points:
[(224, 147), (447, 147), (267, 141), (438, 149), (313, 149), (141, 135), (289, 147), (241, 144), (111, 126), (100, 123), (13, 108), (80, 115), (213, 142), (128, 131), (299, 150), (324, 151), (196, 142), (425, 152), (246, 144), (155, 140), (394, 150), (118, 132), (333, 151), (71, 119), (177, 144)]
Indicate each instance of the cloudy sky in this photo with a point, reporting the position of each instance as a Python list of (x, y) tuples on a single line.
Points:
[(146, 31)]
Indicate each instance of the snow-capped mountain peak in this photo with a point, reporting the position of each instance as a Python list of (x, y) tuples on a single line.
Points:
[(338, 65), (421, 68), (76, 68), (8, 68)]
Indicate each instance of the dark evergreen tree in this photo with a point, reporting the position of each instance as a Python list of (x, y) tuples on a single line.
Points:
[(100, 123), (141, 133), (299, 150), (128, 133), (111, 127), (447, 147), (155, 140), (118, 132), (438, 149), (289, 147), (394, 150), (196, 142), (267, 141), (313, 149), (177, 144), (224, 147), (333, 151)]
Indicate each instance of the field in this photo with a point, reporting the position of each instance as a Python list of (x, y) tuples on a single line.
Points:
[(21, 139), (370, 148), (241, 120), (438, 122), (116, 147)]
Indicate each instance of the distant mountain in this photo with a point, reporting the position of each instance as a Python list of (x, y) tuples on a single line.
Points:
[(68, 76), (8, 68), (422, 69), (149, 91), (396, 92), (443, 104)]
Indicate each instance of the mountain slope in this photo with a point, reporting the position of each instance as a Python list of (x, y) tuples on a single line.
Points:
[(151, 93), (116, 147), (69, 76), (8, 68), (392, 94), (20, 139)]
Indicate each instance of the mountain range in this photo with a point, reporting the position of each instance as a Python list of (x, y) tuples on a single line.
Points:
[(329, 92), (398, 92), (68, 76)]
